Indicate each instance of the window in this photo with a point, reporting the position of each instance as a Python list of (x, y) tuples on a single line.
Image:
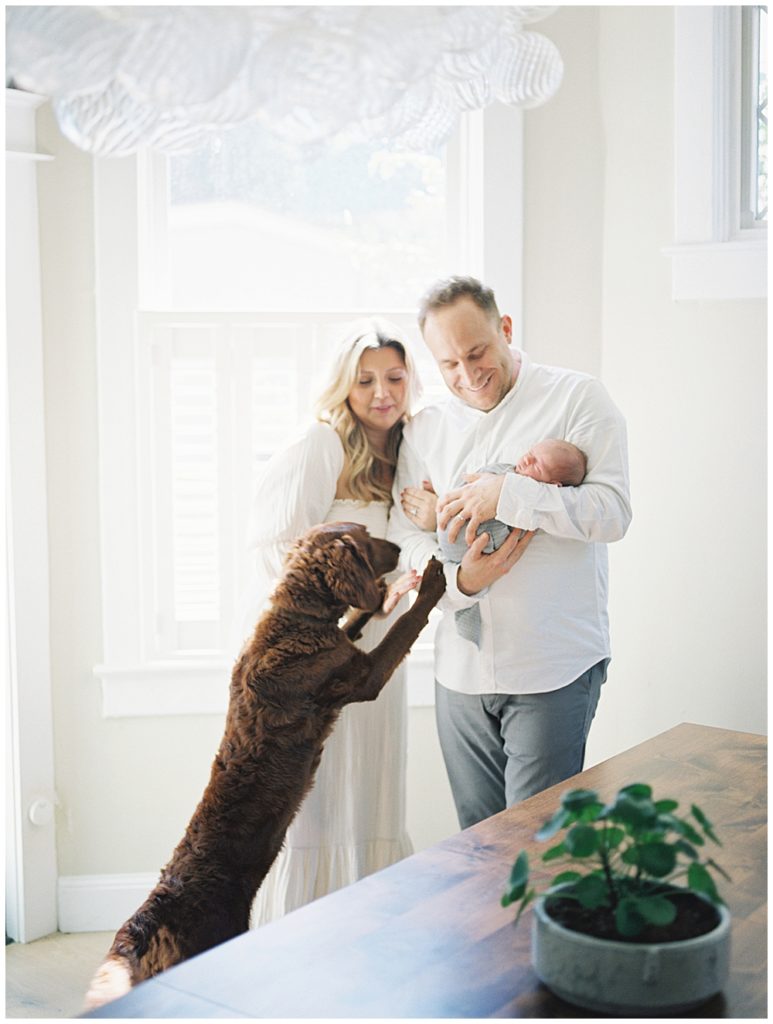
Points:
[(754, 123), (355, 227), (720, 148), (225, 278)]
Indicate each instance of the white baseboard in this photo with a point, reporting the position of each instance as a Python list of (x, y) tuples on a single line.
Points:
[(100, 903)]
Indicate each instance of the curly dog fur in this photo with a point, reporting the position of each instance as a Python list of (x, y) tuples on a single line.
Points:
[(288, 687)]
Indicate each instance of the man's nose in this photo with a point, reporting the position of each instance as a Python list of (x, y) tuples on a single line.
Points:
[(466, 376)]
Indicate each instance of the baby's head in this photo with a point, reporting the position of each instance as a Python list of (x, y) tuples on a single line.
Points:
[(553, 462)]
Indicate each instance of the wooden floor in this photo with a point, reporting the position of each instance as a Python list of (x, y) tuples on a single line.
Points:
[(49, 978)]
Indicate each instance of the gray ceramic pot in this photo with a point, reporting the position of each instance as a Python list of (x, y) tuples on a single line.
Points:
[(630, 978)]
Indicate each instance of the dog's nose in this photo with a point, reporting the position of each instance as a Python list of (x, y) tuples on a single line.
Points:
[(386, 555)]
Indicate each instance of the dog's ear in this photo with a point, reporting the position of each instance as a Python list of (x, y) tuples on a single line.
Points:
[(350, 575)]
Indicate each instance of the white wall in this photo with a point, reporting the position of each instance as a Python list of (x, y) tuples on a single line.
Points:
[(563, 204), (688, 593), (688, 604)]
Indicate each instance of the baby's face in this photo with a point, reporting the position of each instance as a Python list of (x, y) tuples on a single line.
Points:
[(540, 463)]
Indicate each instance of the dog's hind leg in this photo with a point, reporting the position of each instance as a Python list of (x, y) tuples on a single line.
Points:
[(112, 980)]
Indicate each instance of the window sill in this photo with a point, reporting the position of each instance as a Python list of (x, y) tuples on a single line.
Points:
[(201, 688), (719, 270), (164, 688)]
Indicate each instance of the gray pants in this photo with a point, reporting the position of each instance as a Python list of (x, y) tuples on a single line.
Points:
[(502, 748)]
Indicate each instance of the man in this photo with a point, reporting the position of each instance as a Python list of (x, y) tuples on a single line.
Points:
[(513, 708)]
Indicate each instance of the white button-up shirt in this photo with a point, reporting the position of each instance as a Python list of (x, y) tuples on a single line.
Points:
[(545, 622)]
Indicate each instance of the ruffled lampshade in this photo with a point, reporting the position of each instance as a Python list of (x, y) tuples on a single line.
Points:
[(122, 78)]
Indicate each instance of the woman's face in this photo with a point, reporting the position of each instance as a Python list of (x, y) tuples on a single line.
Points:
[(379, 394)]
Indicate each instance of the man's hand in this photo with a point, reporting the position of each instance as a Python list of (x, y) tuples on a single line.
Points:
[(478, 570), (473, 503)]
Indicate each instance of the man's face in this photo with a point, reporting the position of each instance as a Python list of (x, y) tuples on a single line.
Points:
[(473, 352)]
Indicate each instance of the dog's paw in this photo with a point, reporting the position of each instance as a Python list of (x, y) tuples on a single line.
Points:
[(433, 582)]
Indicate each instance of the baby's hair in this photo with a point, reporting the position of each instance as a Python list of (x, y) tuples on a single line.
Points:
[(572, 462)]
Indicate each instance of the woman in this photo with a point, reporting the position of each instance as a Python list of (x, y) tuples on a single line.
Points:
[(353, 821)]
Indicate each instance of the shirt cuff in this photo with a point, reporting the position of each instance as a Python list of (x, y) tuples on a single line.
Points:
[(453, 597)]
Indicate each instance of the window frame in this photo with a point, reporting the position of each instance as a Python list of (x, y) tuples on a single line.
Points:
[(713, 256), (487, 232), (750, 48)]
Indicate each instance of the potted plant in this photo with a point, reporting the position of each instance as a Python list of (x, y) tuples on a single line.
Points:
[(633, 923)]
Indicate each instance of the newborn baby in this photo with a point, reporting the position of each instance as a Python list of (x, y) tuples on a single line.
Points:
[(550, 462)]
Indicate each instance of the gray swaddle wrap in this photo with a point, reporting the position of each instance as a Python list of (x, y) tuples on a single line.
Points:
[(468, 619)]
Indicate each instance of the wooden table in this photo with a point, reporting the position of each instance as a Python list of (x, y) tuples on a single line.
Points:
[(428, 938)]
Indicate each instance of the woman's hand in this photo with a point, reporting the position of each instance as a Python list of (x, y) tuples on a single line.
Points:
[(419, 505), (398, 589)]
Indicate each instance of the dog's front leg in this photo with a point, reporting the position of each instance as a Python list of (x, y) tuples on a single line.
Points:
[(381, 662), (354, 623)]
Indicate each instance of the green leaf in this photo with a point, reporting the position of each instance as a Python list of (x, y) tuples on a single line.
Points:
[(554, 852), (520, 870), (684, 847), (658, 859), (656, 910), (591, 813), (576, 799), (611, 838), (556, 823), (638, 790), (684, 828), (565, 876), (630, 810), (705, 824), (518, 880), (512, 894), (628, 919), (524, 904), (700, 880), (581, 841), (592, 892), (666, 806), (721, 870), (630, 855)]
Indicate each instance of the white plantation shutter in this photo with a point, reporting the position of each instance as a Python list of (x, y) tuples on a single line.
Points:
[(218, 395), (193, 402), (182, 493)]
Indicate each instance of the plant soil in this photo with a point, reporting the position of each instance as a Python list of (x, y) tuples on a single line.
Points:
[(694, 916)]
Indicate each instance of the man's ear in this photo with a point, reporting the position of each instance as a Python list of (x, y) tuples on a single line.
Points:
[(506, 324)]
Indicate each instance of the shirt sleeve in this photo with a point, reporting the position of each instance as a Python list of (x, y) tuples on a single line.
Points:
[(599, 510), (417, 546), (293, 493)]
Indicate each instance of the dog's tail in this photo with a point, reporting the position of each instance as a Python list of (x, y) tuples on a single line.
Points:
[(112, 980)]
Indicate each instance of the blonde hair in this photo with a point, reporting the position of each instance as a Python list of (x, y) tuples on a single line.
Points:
[(363, 466)]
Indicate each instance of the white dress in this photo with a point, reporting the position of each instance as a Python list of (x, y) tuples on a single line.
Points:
[(352, 822)]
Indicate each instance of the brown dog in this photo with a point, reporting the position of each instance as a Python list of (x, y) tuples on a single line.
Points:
[(287, 689)]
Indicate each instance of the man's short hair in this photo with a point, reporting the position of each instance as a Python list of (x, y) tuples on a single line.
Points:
[(447, 292)]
